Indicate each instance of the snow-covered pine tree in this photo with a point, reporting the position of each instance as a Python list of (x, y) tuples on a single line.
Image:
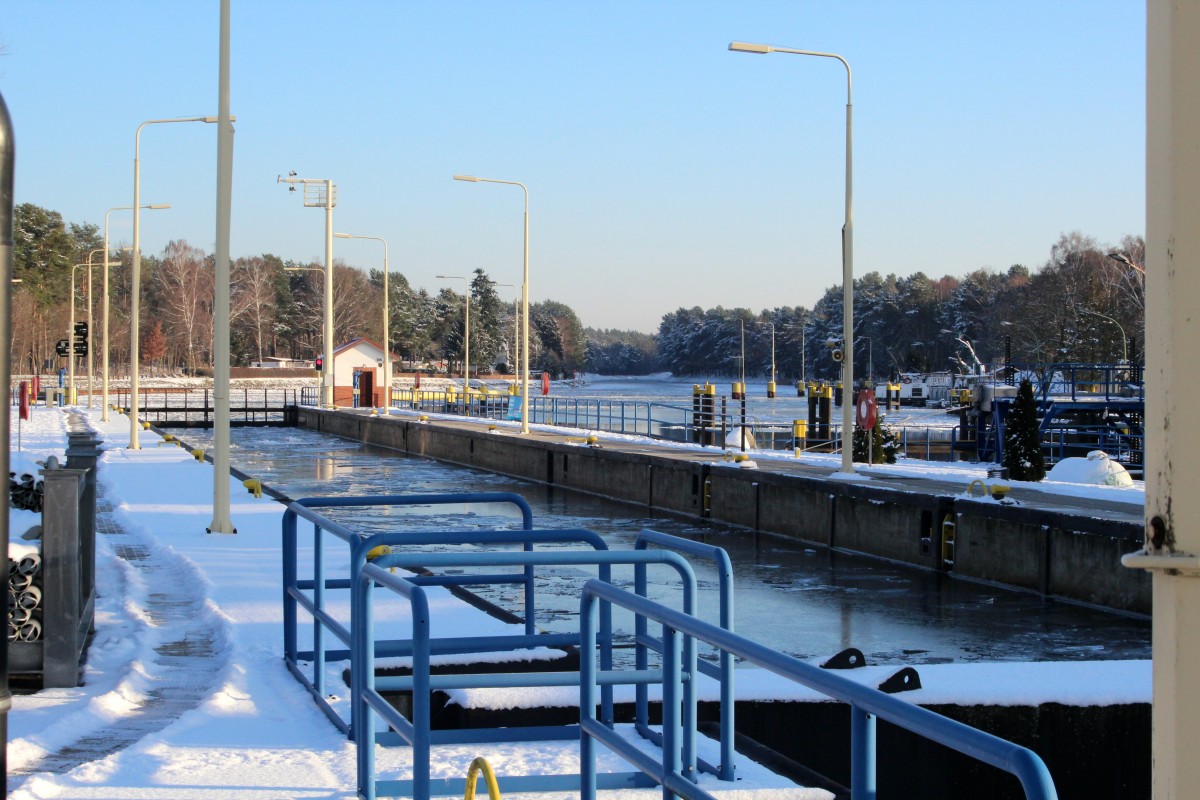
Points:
[(1022, 439), (884, 445)]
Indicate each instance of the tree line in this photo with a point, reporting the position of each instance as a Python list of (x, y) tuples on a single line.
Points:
[(276, 308), (1079, 306)]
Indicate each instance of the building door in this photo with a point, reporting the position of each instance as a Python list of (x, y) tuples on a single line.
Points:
[(366, 388)]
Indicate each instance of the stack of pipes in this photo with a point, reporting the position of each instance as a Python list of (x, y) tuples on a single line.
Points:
[(25, 598)]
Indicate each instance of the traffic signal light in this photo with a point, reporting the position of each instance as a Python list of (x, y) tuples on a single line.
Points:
[(317, 363)]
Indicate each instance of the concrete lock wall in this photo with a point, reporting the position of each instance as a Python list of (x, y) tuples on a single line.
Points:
[(1051, 553)]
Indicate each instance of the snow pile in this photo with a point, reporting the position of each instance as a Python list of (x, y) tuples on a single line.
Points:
[(1097, 469)]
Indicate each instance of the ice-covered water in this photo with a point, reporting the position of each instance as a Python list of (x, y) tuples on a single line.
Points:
[(805, 601)]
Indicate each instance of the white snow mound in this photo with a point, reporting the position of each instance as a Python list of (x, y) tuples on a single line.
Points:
[(1097, 468)]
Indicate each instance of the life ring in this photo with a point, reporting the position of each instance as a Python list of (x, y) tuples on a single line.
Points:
[(866, 409)]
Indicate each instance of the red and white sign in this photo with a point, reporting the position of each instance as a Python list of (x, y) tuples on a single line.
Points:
[(866, 409)]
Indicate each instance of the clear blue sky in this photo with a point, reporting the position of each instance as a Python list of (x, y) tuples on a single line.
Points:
[(663, 170)]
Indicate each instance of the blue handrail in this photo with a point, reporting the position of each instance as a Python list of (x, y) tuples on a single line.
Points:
[(294, 596), (724, 672), (866, 703), (365, 687)]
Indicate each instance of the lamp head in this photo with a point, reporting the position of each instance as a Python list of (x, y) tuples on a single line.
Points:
[(747, 47), (470, 178), (158, 205), (342, 236)]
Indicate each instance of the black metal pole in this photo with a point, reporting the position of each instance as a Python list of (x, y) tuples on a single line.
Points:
[(7, 162)]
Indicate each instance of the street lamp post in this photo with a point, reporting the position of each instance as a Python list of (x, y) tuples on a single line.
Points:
[(135, 274), (466, 341), (91, 330), (771, 386), (847, 245), (1124, 341), (222, 274), (870, 360), (326, 364), (516, 357), (1124, 259), (524, 298), (321, 193), (104, 301), (387, 327)]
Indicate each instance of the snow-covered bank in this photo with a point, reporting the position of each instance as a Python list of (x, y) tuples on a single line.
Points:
[(253, 732)]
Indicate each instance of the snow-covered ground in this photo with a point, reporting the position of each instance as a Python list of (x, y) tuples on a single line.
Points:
[(248, 729)]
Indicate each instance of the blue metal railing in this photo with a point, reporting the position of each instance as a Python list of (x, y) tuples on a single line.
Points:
[(296, 591), (679, 669), (723, 672), (367, 688)]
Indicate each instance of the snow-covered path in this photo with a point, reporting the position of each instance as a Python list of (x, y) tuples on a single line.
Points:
[(181, 657)]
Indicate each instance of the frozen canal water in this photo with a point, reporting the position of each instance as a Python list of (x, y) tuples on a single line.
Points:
[(807, 602)]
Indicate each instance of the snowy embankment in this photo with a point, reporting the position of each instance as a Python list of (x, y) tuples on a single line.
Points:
[(251, 731)]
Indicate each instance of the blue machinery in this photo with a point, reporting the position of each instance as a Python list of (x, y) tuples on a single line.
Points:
[(675, 769)]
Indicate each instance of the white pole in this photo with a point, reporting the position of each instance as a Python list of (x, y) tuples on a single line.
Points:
[(525, 322), (387, 330), (221, 522), (135, 302), (847, 249), (71, 343), (104, 320), (848, 290), (1172, 330), (524, 296), (327, 372), (91, 330), (467, 352), (772, 352), (135, 277)]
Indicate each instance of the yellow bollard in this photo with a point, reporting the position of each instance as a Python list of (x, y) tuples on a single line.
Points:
[(380, 550), (198, 454), (799, 435), (253, 486), (145, 426), (480, 764)]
